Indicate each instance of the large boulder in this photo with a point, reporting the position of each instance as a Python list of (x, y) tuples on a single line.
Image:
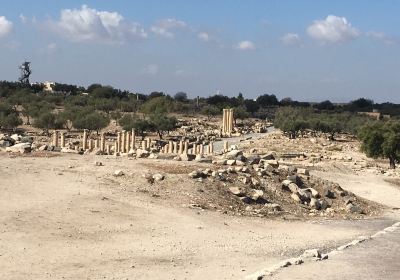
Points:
[(233, 154), (5, 143), (254, 159), (237, 191)]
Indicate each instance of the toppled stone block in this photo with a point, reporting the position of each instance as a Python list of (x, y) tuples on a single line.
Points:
[(22, 148)]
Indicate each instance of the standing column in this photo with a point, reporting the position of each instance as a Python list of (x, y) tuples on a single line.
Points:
[(133, 145), (170, 147), (62, 140), (102, 142), (116, 148), (211, 145), (128, 142), (123, 136), (84, 141), (225, 146), (148, 145), (194, 149), (55, 138), (108, 147), (180, 147), (118, 143), (144, 145), (201, 149), (96, 143), (186, 148), (231, 121), (223, 121), (175, 147), (90, 144), (165, 149)]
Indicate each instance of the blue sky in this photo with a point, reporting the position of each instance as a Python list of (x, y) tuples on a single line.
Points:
[(308, 50)]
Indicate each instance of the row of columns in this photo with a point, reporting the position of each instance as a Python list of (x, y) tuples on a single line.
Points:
[(182, 147), (126, 141), (227, 121)]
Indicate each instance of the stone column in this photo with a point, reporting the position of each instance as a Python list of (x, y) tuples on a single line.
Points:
[(211, 148), (170, 147), (118, 143), (231, 121), (84, 140), (90, 142), (144, 145), (102, 142), (201, 149), (186, 148), (62, 140), (123, 136), (128, 142), (180, 147), (133, 145), (55, 138), (165, 148), (116, 148), (175, 147), (223, 121), (148, 144), (225, 146), (108, 147), (96, 143), (194, 149)]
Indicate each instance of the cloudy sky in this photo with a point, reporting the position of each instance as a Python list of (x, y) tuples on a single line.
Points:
[(304, 49)]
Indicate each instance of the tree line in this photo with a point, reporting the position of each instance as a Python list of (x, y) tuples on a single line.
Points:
[(379, 138)]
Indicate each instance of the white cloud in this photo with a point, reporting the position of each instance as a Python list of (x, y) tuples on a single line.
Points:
[(87, 24), (151, 69), (165, 27), (291, 39), (333, 29), (203, 36), (23, 18), (52, 47), (180, 72), (245, 46), (381, 36), (6, 26)]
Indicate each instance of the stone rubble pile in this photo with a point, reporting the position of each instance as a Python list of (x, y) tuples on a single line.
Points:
[(253, 177), (16, 143)]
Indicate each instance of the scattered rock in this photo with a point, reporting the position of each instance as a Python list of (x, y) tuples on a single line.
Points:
[(303, 171), (237, 191), (119, 173), (312, 253), (158, 177), (355, 209)]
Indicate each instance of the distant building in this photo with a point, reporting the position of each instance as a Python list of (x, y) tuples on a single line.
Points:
[(48, 86), (375, 114)]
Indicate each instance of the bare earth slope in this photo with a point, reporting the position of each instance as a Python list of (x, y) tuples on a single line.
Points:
[(61, 218)]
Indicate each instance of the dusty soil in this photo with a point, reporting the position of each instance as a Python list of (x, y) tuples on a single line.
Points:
[(65, 218)]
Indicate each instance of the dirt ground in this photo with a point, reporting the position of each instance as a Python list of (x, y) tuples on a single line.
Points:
[(62, 217)]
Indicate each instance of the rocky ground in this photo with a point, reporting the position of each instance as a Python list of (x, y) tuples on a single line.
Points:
[(70, 216)]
